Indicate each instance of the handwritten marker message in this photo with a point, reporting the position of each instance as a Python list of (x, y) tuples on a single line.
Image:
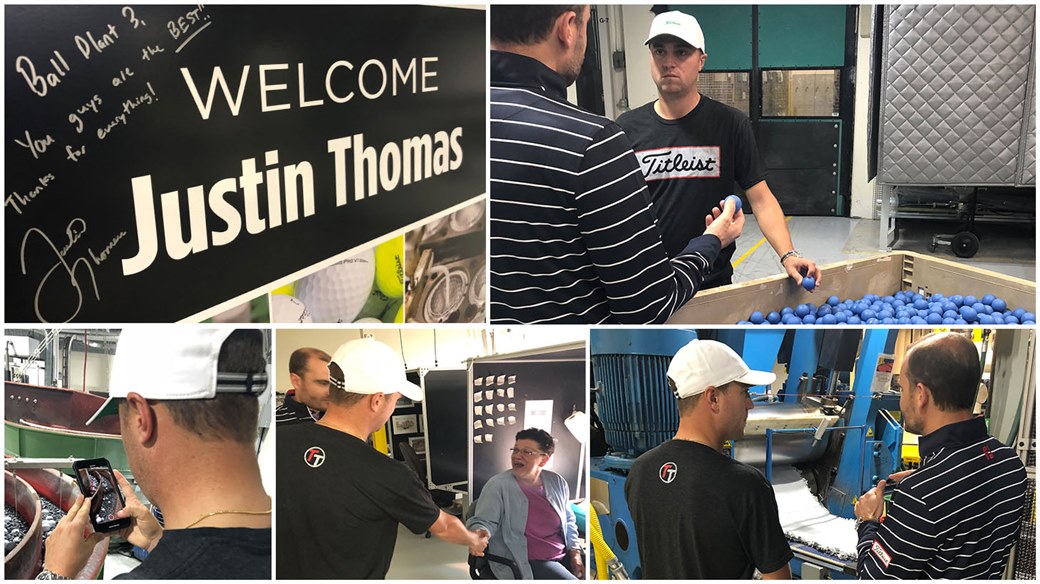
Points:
[(163, 160)]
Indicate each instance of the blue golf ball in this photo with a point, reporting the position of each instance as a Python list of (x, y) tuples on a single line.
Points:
[(968, 314), (809, 283), (773, 317), (988, 299), (833, 301), (736, 202), (999, 304), (934, 318), (801, 310), (757, 317)]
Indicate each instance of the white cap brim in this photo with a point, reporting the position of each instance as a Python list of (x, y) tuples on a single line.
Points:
[(757, 378), (410, 391)]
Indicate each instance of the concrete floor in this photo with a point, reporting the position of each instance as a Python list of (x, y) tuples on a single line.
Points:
[(417, 558), (1005, 249)]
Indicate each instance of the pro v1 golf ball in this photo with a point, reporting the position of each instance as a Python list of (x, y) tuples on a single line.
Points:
[(337, 293)]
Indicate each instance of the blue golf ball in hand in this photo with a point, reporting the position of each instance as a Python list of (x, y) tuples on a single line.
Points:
[(736, 202), (809, 283)]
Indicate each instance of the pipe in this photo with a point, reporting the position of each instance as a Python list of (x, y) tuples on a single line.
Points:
[(607, 564)]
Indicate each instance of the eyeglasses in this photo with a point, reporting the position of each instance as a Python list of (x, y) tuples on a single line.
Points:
[(525, 451)]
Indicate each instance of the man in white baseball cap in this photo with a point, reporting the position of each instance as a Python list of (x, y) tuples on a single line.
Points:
[(721, 514), (692, 149), (347, 527), (188, 400)]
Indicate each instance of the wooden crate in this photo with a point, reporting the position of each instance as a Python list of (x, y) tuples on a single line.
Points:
[(882, 275)]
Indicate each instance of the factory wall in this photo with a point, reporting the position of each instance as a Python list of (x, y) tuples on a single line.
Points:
[(447, 348), (99, 369)]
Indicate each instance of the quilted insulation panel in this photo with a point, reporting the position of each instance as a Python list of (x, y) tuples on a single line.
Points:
[(955, 86)]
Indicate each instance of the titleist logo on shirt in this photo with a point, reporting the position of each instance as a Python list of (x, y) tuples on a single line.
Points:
[(680, 162)]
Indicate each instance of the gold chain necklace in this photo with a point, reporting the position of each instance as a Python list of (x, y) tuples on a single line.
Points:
[(208, 515)]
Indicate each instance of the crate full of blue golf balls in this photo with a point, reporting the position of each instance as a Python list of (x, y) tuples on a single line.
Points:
[(916, 289)]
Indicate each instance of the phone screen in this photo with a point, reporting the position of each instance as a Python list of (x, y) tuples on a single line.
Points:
[(97, 480)]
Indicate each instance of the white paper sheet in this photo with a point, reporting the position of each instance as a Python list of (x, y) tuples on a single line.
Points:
[(805, 520)]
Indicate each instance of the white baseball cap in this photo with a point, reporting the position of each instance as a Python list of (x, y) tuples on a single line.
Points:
[(701, 364), (173, 363), (372, 367), (680, 25)]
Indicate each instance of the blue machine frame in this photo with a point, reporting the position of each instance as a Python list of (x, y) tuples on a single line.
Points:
[(878, 436)]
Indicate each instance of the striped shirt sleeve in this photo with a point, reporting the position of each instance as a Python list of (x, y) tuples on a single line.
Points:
[(617, 224), (902, 544)]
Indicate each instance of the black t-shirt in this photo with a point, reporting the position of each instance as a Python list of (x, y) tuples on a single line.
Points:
[(207, 553), (701, 515), (690, 164), (339, 502)]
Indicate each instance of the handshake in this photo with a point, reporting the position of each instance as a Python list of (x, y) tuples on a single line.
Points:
[(478, 541)]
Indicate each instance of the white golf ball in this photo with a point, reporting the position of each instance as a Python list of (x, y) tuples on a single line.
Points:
[(285, 308), (338, 293)]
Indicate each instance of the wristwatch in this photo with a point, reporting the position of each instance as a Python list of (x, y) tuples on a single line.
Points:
[(48, 575), (860, 521), (789, 254)]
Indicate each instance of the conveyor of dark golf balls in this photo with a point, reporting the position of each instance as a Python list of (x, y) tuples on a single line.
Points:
[(15, 527), (903, 307)]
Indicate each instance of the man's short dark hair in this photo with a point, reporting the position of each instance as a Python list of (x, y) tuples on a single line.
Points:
[(543, 438), (300, 357), (338, 396), (527, 25), (948, 364), (228, 416)]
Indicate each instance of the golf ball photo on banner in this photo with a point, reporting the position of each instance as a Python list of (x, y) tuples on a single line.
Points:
[(367, 287)]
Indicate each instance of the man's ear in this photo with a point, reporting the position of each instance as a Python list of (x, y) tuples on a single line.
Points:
[(141, 420), (712, 394), (375, 401), (924, 398), (564, 29), (296, 380)]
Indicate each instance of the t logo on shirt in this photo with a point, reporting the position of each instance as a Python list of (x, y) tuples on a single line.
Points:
[(668, 472), (680, 162), (314, 456)]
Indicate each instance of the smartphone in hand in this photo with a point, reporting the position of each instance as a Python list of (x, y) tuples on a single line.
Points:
[(96, 480)]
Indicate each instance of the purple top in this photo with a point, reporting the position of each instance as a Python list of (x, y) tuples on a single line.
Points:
[(544, 531)]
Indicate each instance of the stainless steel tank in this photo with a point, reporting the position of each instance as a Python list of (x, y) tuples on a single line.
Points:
[(24, 561), (787, 448)]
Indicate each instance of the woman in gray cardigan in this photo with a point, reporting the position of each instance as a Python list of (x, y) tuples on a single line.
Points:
[(526, 514)]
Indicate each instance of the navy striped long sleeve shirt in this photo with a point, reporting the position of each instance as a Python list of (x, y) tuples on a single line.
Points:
[(957, 516), (573, 237)]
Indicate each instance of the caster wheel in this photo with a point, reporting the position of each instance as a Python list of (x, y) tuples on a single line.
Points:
[(965, 244)]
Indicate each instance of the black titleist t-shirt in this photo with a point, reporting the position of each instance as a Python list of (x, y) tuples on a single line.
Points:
[(690, 164), (339, 503), (701, 515), (207, 553)]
